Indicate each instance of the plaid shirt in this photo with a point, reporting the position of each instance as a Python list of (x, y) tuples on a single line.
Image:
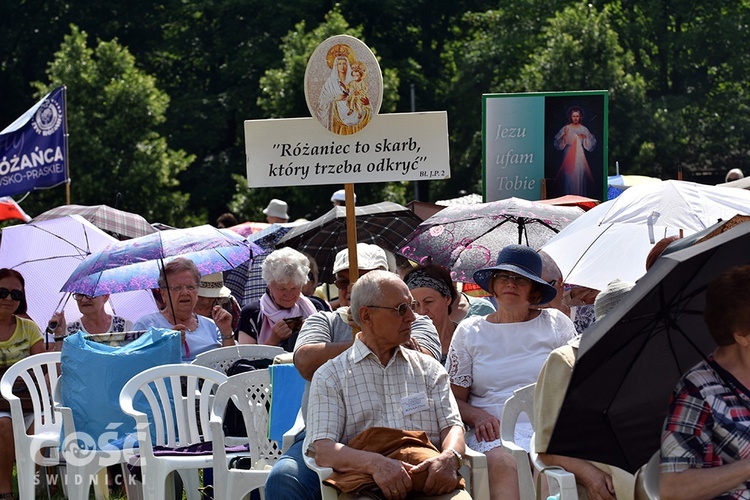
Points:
[(354, 391), (708, 424)]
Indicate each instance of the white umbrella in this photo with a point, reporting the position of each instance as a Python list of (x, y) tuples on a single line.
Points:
[(47, 252), (677, 204), (613, 239)]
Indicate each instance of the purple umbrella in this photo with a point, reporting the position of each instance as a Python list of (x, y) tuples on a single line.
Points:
[(465, 238), (135, 264)]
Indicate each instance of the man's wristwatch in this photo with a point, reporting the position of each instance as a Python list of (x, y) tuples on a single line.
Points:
[(458, 456)]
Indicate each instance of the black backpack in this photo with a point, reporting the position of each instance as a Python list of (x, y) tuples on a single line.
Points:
[(233, 423)]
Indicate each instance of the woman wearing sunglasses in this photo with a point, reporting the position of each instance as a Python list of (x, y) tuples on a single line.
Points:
[(494, 355), (94, 319), (19, 338)]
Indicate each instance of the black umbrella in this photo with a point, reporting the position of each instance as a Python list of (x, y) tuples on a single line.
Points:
[(630, 361), (385, 224)]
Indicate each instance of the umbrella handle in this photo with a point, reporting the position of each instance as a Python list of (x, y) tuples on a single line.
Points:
[(60, 306)]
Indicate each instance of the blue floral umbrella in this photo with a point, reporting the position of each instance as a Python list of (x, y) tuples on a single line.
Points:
[(135, 264)]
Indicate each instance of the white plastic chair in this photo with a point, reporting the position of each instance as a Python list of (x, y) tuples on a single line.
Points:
[(560, 481), (84, 466), (251, 393), (650, 473), (177, 420), (222, 358), (522, 401), (290, 436), (40, 373)]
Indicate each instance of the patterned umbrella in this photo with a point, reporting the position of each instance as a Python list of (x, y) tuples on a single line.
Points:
[(47, 252), (248, 228), (122, 225), (134, 264), (385, 224), (465, 238)]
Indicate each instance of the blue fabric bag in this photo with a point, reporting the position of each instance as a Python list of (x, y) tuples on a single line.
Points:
[(93, 374), (287, 387)]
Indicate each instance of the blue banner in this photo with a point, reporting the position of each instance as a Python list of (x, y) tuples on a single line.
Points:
[(33, 149)]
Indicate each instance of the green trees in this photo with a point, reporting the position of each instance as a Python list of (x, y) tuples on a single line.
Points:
[(676, 72), (581, 51), (113, 111)]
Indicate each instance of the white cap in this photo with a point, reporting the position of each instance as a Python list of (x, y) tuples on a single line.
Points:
[(340, 196), (369, 257), (277, 208)]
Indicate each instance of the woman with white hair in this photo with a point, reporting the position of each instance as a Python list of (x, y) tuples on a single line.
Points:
[(277, 317)]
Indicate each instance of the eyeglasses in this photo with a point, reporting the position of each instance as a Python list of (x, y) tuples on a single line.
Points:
[(81, 296), (178, 288), (505, 278), (402, 308), (16, 295)]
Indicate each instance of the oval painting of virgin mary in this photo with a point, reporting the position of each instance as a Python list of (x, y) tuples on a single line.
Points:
[(343, 85)]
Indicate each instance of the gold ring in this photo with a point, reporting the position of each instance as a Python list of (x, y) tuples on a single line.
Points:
[(395, 492)]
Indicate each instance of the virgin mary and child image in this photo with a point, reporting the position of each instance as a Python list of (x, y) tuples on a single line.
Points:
[(344, 105)]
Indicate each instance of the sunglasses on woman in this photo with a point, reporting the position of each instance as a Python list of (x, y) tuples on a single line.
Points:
[(16, 295)]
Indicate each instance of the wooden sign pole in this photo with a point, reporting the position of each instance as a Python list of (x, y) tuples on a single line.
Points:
[(351, 232)]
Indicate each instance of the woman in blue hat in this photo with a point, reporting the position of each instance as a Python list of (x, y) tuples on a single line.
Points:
[(491, 356)]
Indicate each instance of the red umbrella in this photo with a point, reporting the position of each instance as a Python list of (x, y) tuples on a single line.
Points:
[(9, 210), (572, 200)]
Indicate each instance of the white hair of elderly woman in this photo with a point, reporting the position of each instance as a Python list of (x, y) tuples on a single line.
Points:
[(286, 266)]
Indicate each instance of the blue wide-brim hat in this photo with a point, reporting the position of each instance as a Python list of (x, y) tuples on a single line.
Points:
[(521, 260)]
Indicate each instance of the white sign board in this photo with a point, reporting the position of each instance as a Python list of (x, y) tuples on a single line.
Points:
[(393, 147)]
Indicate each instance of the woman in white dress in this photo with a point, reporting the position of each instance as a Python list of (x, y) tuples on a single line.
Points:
[(491, 356)]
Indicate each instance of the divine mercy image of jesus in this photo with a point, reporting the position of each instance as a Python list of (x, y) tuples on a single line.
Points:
[(574, 139)]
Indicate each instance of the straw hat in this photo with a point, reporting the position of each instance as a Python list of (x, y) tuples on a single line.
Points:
[(277, 208), (610, 297), (212, 286)]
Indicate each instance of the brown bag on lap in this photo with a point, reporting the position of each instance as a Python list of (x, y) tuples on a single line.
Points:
[(412, 447)]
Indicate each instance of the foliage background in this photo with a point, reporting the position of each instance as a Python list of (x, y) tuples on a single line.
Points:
[(158, 90)]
